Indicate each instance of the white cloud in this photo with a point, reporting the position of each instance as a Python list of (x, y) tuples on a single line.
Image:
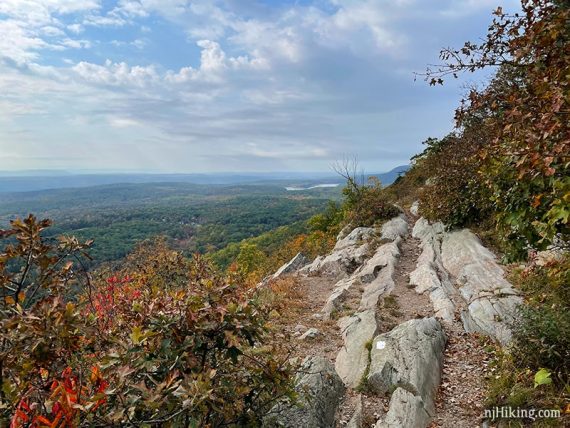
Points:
[(116, 74), (37, 12), (76, 44), (110, 20), (33, 25), (302, 81), (52, 31), (19, 44), (122, 122), (214, 64)]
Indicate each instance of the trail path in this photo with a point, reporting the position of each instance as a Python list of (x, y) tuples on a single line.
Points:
[(400, 346)]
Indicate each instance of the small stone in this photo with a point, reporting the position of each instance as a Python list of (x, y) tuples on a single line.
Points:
[(311, 333), (300, 327)]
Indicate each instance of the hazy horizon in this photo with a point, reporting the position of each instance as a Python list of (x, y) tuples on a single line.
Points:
[(62, 172)]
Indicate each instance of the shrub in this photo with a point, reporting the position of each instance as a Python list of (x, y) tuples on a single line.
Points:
[(367, 204), (523, 112), (541, 336), (453, 192), (165, 341), (540, 342)]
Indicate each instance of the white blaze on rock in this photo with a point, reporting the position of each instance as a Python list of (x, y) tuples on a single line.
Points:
[(408, 360)]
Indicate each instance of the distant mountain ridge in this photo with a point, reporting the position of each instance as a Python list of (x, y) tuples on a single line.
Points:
[(11, 183)]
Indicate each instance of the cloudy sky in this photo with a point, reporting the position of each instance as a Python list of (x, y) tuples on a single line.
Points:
[(225, 85)]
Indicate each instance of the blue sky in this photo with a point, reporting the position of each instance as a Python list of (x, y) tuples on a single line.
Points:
[(229, 85)]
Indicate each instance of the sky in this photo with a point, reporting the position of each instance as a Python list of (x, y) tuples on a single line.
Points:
[(226, 85)]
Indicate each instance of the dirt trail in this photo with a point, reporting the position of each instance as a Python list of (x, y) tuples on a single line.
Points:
[(403, 303), (313, 293), (460, 398), (460, 395), (399, 305)]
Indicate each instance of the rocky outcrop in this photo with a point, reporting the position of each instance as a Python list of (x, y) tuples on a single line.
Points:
[(358, 331), (292, 266), (415, 208), (338, 296), (456, 265), (394, 228), (491, 300), (348, 254), (430, 275), (378, 274), (406, 411), (320, 391), (408, 361), (354, 238)]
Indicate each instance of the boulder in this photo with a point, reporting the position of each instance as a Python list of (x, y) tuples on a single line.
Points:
[(358, 331), (292, 266), (409, 357), (320, 392), (394, 228)]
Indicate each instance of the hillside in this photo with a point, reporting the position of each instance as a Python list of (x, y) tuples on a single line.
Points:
[(192, 217)]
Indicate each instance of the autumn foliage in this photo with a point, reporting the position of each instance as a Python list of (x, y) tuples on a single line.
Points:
[(508, 158), (165, 341)]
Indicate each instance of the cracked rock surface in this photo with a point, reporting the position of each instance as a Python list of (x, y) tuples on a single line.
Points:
[(320, 390), (408, 357)]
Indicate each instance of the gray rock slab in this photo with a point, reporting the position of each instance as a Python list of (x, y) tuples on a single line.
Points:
[(352, 360), (491, 300), (320, 391), (409, 357), (292, 266)]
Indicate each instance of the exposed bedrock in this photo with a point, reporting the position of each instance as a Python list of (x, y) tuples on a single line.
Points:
[(348, 254), (320, 391), (292, 266), (430, 275), (376, 273), (358, 331), (491, 299), (408, 362)]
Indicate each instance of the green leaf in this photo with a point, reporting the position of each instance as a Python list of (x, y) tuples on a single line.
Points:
[(137, 335), (542, 377)]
